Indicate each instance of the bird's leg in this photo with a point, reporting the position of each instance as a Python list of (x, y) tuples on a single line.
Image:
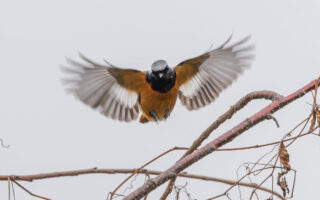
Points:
[(153, 114), (167, 113)]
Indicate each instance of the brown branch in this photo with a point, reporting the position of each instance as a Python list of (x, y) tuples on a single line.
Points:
[(227, 115), (270, 175), (9, 190), (239, 183), (271, 143), (269, 95), (268, 166), (251, 185), (147, 172), (33, 177), (218, 142), (32, 194), (143, 166)]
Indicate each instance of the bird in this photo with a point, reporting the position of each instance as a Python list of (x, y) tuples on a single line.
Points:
[(122, 94)]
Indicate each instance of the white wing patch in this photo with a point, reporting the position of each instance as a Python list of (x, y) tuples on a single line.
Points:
[(92, 84), (222, 66)]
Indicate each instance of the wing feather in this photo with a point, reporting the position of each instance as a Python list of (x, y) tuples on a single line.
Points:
[(109, 89), (201, 79)]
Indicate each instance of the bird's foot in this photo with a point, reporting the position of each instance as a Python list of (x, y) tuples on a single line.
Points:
[(167, 113), (153, 114)]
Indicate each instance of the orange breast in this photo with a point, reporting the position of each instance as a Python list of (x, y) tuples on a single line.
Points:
[(157, 101)]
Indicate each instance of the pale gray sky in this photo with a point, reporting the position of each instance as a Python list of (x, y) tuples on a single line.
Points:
[(51, 131)]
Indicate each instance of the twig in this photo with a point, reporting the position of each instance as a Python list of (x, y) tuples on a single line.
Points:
[(124, 171), (9, 190), (269, 144), (143, 166), (267, 166), (13, 193), (301, 131), (32, 194), (274, 119), (233, 109), (218, 142), (270, 95), (146, 179), (238, 183), (270, 175), (294, 183)]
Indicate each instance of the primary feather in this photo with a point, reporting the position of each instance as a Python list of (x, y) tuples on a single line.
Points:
[(111, 90), (202, 78)]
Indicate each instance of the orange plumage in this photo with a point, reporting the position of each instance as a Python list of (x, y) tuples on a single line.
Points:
[(157, 101)]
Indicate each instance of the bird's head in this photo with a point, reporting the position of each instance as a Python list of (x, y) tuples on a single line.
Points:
[(159, 68), (161, 77)]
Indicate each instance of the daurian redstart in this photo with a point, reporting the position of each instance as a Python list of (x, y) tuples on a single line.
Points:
[(123, 93)]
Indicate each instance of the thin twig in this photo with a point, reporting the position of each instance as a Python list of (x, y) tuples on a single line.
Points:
[(146, 179), (274, 119), (270, 175), (143, 166), (13, 193), (32, 194), (267, 166), (301, 131), (239, 181), (124, 171), (218, 142), (269, 144), (270, 95), (9, 190)]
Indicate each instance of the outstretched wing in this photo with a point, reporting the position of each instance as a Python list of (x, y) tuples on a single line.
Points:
[(109, 89), (201, 79)]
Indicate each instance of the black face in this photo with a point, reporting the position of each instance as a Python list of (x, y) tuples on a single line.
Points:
[(162, 80)]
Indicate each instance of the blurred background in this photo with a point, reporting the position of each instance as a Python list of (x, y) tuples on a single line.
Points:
[(48, 130)]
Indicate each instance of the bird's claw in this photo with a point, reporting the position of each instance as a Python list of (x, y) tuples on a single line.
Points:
[(167, 113), (153, 114)]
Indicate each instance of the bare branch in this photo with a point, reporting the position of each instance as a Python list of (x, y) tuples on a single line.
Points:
[(269, 95), (233, 109), (32, 194), (218, 142), (239, 183), (143, 166), (271, 143), (33, 177)]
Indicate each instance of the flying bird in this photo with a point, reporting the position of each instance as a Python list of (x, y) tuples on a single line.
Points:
[(122, 94)]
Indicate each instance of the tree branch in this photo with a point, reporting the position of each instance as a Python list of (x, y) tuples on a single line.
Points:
[(26, 190), (33, 177), (218, 142), (143, 166), (269, 95)]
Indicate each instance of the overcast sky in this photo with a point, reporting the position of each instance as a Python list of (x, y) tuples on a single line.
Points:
[(48, 130)]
